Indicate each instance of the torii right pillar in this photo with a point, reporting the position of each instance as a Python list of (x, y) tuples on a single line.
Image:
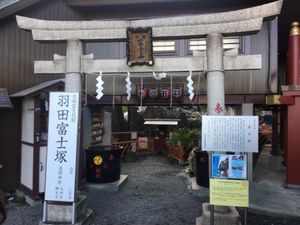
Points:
[(291, 98)]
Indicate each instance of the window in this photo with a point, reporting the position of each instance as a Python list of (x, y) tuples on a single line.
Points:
[(200, 44), (164, 47)]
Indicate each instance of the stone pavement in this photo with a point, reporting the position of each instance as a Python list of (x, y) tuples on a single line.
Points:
[(267, 191), (268, 196), (157, 193)]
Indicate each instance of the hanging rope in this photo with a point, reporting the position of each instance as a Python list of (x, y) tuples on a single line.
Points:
[(113, 99), (139, 75), (198, 90), (171, 97), (141, 92), (86, 89), (99, 89)]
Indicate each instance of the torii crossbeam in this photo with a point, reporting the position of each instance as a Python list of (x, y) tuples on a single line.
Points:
[(239, 22)]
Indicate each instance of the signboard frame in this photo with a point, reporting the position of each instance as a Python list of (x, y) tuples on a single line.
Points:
[(139, 46), (217, 128), (60, 183), (230, 133)]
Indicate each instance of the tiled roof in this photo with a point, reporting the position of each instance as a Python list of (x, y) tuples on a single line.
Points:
[(36, 88), (5, 3)]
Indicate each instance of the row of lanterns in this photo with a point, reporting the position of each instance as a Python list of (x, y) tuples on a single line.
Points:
[(163, 92)]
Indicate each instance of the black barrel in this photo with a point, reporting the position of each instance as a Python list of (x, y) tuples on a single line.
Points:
[(201, 165), (103, 164)]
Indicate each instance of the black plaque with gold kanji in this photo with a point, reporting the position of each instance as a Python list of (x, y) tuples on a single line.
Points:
[(139, 46)]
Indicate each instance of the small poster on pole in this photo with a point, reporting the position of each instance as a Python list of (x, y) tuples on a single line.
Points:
[(143, 143), (229, 166), (227, 192), (62, 146)]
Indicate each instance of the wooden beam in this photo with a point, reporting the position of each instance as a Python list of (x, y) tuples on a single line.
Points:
[(280, 100)]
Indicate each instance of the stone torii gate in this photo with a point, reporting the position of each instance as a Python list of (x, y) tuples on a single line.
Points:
[(211, 26)]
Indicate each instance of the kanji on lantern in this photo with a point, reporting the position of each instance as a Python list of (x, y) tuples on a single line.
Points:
[(165, 93)]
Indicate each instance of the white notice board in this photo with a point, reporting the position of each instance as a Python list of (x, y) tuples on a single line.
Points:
[(62, 146), (230, 133)]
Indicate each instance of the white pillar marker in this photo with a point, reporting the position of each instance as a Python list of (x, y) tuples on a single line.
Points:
[(99, 86), (128, 86), (190, 85)]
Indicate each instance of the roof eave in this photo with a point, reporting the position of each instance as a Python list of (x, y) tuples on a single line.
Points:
[(16, 7)]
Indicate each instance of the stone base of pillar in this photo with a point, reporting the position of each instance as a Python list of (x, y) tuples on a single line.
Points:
[(228, 217), (62, 213)]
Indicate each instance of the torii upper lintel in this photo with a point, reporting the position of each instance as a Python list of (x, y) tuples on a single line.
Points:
[(240, 22)]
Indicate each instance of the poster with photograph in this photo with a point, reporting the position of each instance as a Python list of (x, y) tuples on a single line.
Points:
[(229, 166)]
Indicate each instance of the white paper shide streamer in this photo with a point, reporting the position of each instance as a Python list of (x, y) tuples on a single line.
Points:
[(128, 86), (190, 86), (159, 76), (99, 86)]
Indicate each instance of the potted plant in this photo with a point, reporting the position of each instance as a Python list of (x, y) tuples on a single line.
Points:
[(181, 142)]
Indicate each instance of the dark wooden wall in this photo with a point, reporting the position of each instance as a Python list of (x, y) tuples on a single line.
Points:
[(17, 53), (18, 50), (9, 146)]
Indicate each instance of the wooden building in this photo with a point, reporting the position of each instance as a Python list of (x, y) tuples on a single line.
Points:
[(18, 51)]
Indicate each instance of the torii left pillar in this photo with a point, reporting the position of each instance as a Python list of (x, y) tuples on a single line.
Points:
[(62, 213), (73, 65), (54, 212)]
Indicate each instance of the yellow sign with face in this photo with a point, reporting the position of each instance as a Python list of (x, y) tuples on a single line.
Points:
[(98, 160)]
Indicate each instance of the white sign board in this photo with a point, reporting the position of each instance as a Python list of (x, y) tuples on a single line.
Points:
[(230, 133), (62, 146)]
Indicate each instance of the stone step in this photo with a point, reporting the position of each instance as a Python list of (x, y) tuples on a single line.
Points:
[(109, 187), (85, 219), (200, 222), (197, 190), (222, 215), (62, 212)]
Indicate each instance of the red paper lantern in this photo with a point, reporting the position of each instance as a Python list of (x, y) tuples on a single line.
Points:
[(165, 93), (177, 92), (144, 93), (153, 93)]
